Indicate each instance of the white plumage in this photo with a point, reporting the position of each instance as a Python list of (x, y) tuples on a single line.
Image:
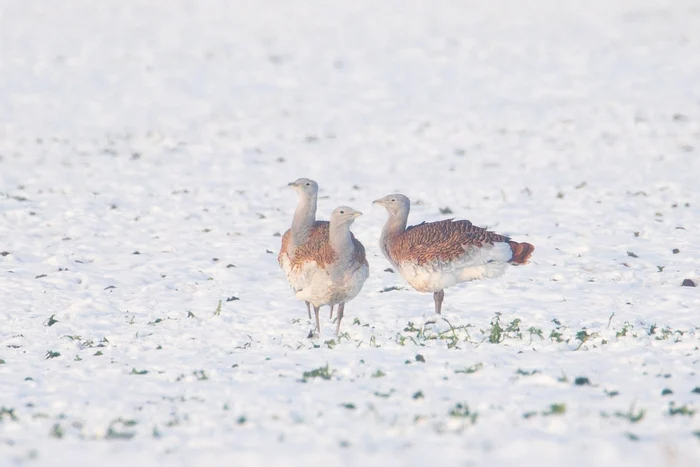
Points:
[(486, 262)]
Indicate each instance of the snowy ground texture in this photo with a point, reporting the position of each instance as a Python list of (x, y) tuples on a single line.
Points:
[(145, 149)]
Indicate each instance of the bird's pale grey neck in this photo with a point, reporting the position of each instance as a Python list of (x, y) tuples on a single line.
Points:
[(340, 239), (395, 225), (304, 219)]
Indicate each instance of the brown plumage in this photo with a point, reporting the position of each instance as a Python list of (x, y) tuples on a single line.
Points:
[(319, 232), (442, 240), (521, 252), (317, 248)]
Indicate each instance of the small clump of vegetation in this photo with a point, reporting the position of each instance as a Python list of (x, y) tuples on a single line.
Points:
[(461, 410), (323, 372), (555, 409), (471, 369)]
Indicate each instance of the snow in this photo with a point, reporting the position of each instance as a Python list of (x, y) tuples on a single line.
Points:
[(172, 128)]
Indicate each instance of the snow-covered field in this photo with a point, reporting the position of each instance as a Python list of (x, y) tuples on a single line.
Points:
[(145, 148)]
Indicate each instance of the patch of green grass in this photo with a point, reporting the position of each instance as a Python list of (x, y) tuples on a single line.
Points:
[(51, 321), (348, 405), (680, 410), (583, 336), (525, 372), (555, 409), (556, 336), (410, 327), (52, 354), (119, 429), (514, 328), (217, 312), (665, 334), (134, 371), (343, 335), (631, 415), (461, 410), (57, 431), (174, 421), (420, 358), (8, 413), (533, 331), (323, 372), (497, 333), (582, 381), (625, 329), (378, 374), (471, 369), (384, 395)]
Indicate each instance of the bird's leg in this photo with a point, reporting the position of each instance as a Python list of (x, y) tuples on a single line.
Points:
[(308, 308), (438, 296), (341, 310), (318, 322), (332, 311)]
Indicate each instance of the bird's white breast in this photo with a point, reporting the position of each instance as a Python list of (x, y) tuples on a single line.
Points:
[(331, 286), (476, 263), (299, 278)]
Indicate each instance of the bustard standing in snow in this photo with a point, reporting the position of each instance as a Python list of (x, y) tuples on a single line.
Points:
[(334, 267), (305, 228), (436, 255)]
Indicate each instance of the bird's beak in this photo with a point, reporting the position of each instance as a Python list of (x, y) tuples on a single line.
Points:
[(378, 201), (356, 214), (294, 184)]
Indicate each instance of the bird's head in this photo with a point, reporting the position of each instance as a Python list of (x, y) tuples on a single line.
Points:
[(395, 203), (305, 187), (344, 215)]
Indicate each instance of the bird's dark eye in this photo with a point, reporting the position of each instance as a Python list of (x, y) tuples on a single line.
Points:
[(342, 212), (393, 200), (308, 184)]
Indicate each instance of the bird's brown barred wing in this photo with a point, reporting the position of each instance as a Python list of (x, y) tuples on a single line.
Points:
[(442, 241)]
